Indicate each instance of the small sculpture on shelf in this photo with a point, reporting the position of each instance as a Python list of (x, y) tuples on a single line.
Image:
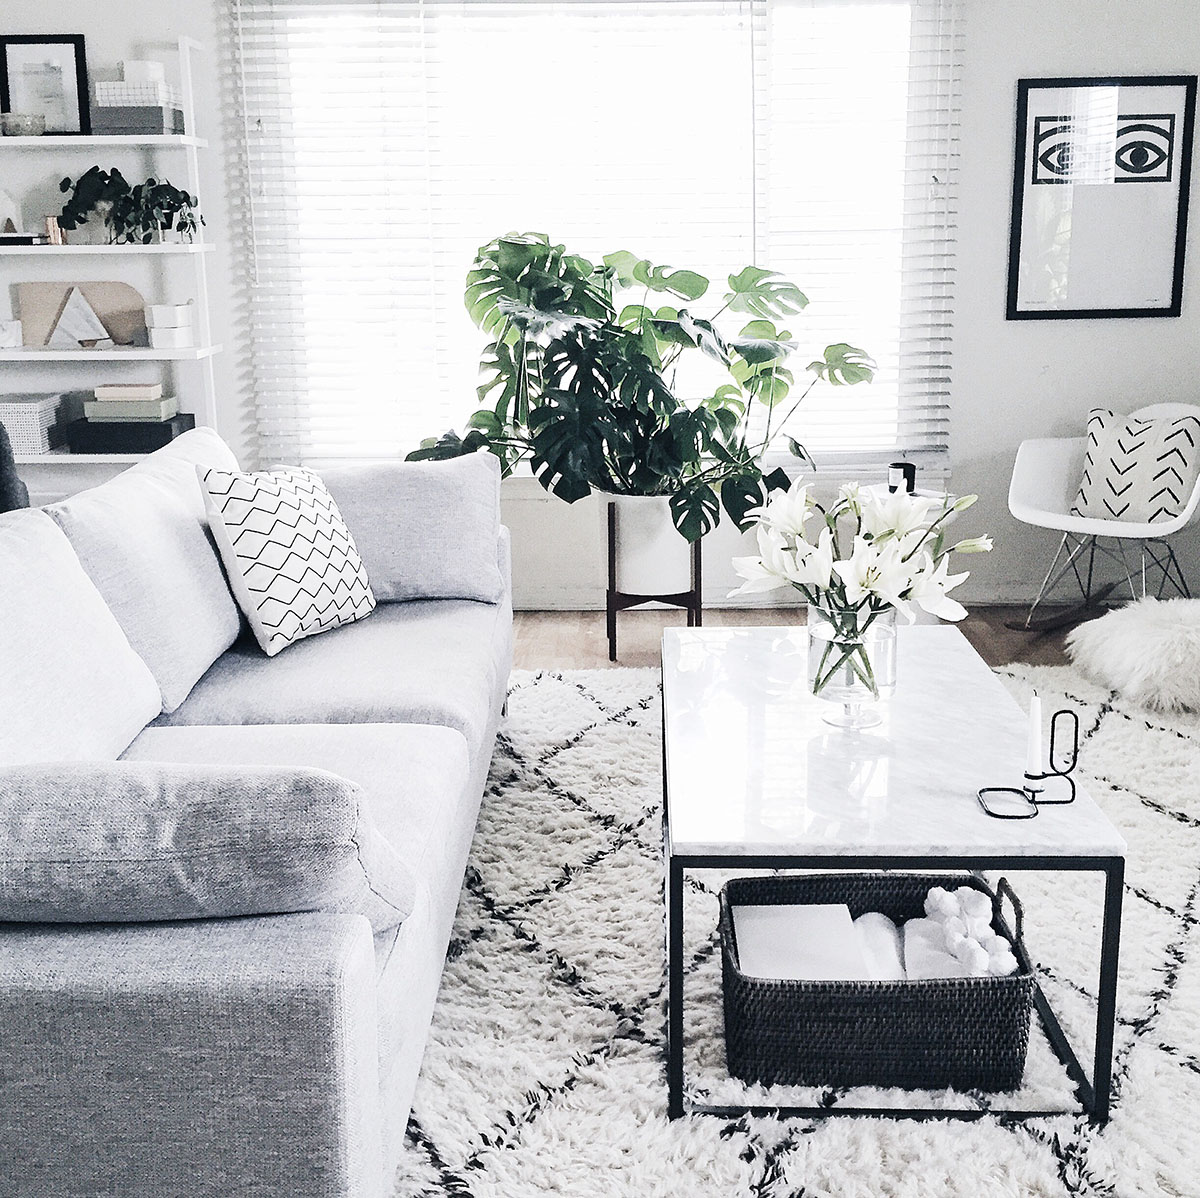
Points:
[(134, 214), (13, 492)]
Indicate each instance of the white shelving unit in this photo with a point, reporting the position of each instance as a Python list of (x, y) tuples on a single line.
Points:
[(199, 394)]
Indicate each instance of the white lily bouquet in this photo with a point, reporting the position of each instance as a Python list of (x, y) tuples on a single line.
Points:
[(868, 556)]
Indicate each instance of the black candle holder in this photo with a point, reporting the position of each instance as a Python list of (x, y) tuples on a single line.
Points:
[(1034, 794)]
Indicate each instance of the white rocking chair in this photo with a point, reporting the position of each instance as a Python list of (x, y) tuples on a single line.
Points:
[(1045, 480)]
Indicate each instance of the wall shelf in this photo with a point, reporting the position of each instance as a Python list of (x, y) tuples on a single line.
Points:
[(81, 141), (50, 251), (195, 353)]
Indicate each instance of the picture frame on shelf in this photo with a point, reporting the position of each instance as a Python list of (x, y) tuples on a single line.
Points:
[(46, 75), (1100, 195)]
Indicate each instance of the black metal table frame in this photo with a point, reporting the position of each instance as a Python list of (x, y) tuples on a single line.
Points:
[(1094, 1095)]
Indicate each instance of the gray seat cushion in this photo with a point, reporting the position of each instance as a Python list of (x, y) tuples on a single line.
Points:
[(423, 662), (143, 539), (126, 841)]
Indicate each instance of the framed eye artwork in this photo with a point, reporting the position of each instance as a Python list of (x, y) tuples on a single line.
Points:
[(1100, 192)]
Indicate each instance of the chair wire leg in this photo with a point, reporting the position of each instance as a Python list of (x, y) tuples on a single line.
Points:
[(1052, 579), (1174, 561), (1133, 595)]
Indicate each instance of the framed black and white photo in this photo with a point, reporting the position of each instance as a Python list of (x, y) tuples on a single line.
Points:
[(46, 76), (1099, 201)]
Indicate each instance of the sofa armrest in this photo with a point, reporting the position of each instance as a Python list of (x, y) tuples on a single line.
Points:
[(190, 1060), (504, 558)]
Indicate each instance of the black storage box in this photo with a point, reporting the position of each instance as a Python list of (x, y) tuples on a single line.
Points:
[(133, 436), (965, 1033)]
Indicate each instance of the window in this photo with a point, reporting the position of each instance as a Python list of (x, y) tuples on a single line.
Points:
[(386, 141)]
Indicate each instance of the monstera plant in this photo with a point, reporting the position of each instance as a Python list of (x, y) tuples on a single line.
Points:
[(580, 383)]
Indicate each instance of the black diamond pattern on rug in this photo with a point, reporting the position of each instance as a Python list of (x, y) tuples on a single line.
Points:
[(545, 1072)]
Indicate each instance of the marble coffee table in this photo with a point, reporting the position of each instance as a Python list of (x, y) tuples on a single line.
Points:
[(753, 778)]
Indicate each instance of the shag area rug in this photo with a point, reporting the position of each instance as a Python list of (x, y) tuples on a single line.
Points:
[(544, 1074)]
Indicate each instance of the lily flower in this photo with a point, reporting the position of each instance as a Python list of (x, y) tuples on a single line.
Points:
[(930, 586), (787, 510), (973, 545), (897, 514), (771, 569), (814, 563), (877, 571)]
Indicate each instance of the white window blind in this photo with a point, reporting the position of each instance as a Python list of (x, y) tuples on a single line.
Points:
[(384, 142)]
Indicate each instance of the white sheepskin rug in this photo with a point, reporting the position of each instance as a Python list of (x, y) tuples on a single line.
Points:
[(1148, 652), (544, 1074)]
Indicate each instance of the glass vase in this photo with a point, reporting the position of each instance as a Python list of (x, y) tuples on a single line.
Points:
[(852, 662)]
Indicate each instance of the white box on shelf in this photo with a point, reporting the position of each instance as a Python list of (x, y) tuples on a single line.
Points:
[(170, 316), (28, 420), (126, 95), (143, 70), (180, 338)]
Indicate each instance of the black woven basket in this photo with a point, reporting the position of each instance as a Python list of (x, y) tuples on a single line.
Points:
[(966, 1033)]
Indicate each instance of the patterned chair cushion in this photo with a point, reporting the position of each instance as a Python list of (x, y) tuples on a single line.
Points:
[(1138, 471), (292, 562)]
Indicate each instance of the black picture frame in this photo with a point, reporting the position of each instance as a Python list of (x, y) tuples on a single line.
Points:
[(1100, 130), (79, 93)]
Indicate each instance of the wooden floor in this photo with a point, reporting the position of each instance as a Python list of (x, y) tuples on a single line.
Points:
[(575, 640)]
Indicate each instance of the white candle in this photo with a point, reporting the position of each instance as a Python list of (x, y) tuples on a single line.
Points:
[(1033, 761)]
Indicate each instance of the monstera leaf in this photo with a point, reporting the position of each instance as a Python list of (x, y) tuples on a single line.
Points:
[(694, 510), (629, 270), (764, 293), (545, 326), (843, 365)]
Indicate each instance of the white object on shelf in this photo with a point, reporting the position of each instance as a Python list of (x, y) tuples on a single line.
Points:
[(28, 420), (794, 942), (77, 323), (136, 95), (10, 334), (143, 70), (170, 316), (172, 338)]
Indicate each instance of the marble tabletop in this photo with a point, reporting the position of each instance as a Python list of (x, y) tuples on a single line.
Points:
[(752, 769)]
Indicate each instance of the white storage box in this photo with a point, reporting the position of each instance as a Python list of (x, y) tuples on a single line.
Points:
[(28, 420), (143, 70), (180, 338), (169, 316), (125, 95)]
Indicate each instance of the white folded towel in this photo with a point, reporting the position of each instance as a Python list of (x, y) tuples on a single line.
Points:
[(925, 953), (881, 947)]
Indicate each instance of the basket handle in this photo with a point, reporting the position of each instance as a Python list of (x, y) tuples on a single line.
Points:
[(1005, 890)]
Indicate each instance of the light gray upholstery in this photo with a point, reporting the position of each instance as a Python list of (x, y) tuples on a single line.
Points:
[(129, 840), (426, 530), (71, 688), (143, 539), (205, 1059), (422, 662)]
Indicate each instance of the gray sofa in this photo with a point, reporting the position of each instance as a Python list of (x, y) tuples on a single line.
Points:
[(261, 1053)]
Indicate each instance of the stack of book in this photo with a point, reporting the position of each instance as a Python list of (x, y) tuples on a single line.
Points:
[(128, 418)]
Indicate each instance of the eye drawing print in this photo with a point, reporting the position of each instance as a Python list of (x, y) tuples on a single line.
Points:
[(1143, 151)]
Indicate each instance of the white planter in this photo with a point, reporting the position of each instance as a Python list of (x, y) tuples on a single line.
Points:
[(652, 558)]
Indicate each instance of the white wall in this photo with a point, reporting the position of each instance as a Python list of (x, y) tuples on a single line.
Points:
[(1012, 379), (1018, 379)]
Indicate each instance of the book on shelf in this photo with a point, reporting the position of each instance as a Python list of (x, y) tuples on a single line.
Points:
[(105, 411), (107, 391), (126, 436)]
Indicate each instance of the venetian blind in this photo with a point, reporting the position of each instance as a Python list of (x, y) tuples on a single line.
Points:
[(385, 141)]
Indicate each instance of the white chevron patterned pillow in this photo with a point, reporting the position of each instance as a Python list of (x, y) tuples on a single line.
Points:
[(292, 562), (1138, 471)]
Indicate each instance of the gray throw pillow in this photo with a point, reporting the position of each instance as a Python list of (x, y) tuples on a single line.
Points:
[(426, 530), (132, 841), (1138, 471)]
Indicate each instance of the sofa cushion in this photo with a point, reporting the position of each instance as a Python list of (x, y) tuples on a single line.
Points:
[(71, 688), (143, 539), (425, 662), (291, 560), (412, 777), (125, 841), (426, 530)]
